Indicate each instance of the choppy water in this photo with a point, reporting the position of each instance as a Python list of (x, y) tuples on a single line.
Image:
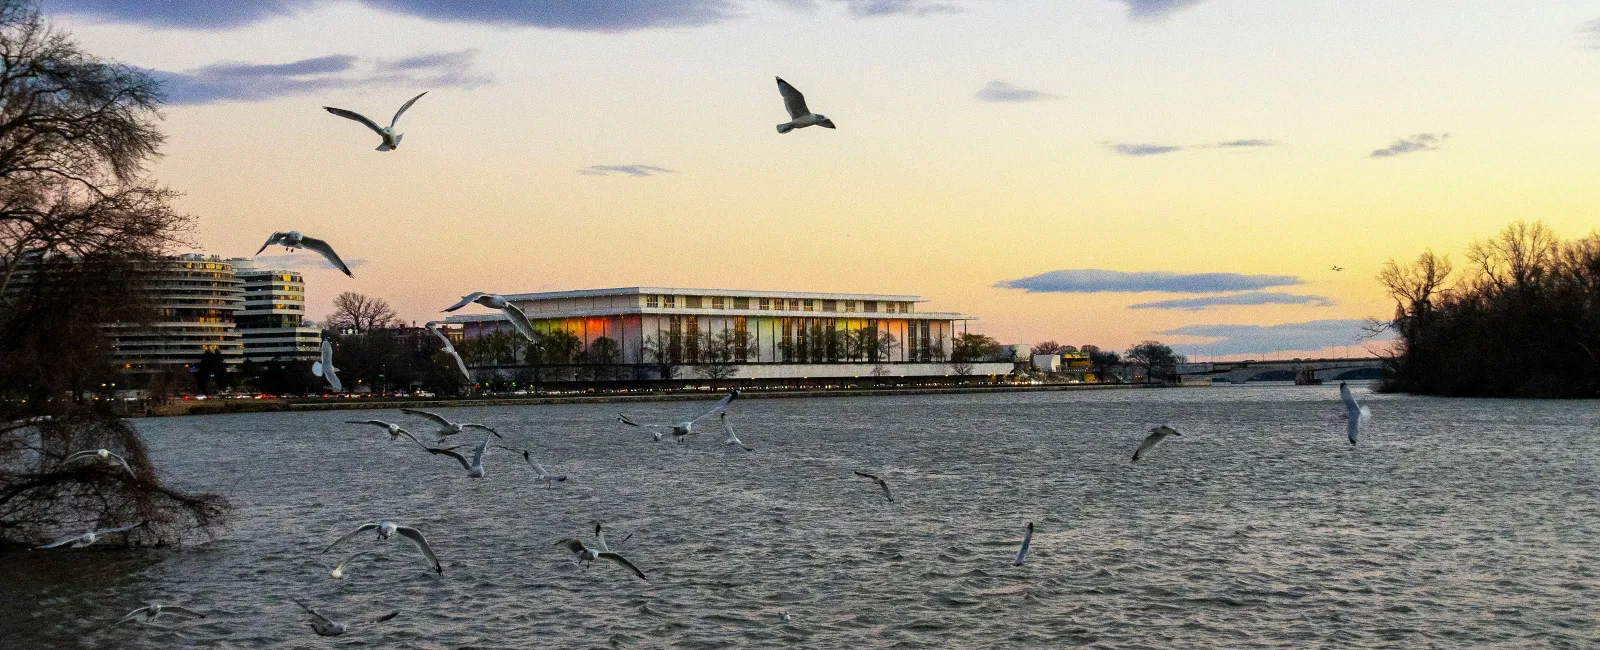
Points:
[(1454, 523)]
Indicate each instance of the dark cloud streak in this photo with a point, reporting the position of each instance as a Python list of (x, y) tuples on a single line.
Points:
[(1239, 299), (1413, 144), (1263, 339), (1103, 281), (233, 81)]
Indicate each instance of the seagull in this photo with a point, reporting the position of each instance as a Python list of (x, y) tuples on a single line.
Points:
[(450, 349), (1022, 553), (1156, 435), (600, 534), (394, 429), (387, 529), (538, 470), (391, 140), (881, 484), (325, 369), (293, 239), (325, 626), (446, 427), (1338, 268), (800, 116), (474, 468), (784, 616), (584, 555), (107, 456), (150, 612), (519, 320), (1355, 413), (684, 428), (729, 438), (79, 541), (338, 569)]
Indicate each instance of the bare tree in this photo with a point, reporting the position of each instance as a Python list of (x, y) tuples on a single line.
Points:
[(1157, 360), (79, 231), (362, 313), (721, 355)]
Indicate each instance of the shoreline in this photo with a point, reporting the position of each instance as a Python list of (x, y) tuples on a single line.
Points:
[(220, 407)]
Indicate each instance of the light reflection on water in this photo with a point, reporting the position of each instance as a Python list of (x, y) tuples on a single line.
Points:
[(1453, 523)]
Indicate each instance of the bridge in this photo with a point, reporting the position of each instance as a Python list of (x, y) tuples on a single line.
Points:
[(1239, 372)]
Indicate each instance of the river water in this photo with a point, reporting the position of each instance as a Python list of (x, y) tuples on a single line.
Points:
[(1454, 523)]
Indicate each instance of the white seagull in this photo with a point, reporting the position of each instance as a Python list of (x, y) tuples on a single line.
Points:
[(474, 468), (387, 529), (539, 472), (325, 626), (585, 555), (150, 612), (338, 569), (1022, 553), (324, 367), (79, 541), (391, 140), (728, 436), (684, 428), (450, 349), (394, 429), (1156, 435), (799, 116), (1355, 413), (293, 239), (518, 319), (446, 427), (105, 455), (881, 483)]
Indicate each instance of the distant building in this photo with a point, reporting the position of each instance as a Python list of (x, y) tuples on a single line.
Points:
[(760, 334), (1047, 362), (196, 298), (271, 324)]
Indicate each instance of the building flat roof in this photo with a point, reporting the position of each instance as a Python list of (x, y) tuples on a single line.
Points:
[(768, 313), (733, 293)]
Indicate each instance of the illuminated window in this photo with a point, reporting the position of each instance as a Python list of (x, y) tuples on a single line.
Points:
[(765, 303), (809, 304), (669, 301), (652, 301)]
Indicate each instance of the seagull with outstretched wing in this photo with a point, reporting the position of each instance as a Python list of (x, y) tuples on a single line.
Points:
[(539, 472), (475, 466), (1355, 414), (103, 454), (323, 367), (293, 239), (1156, 435), (518, 319), (728, 436), (325, 626), (884, 485), (391, 140), (150, 612), (1022, 553), (450, 349), (387, 529), (799, 116), (682, 429), (89, 537), (446, 427), (584, 555)]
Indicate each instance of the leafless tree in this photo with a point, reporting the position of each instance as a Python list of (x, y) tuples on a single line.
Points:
[(362, 313)]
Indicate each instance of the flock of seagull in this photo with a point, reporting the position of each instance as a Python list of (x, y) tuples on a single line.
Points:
[(583, 553)]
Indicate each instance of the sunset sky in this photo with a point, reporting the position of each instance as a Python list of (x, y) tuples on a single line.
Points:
[(1089, 171)]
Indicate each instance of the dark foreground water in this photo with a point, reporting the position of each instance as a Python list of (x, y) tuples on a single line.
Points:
[(1454, 523)]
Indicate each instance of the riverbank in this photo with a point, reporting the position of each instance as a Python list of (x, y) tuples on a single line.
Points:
[(220, 406)]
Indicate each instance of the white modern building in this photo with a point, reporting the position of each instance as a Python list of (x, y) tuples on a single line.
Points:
[(196, 297), (758, 334), (271, 321)]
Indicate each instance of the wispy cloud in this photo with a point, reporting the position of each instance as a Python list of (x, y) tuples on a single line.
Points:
[(624, 170), (302, 261), (1156, 9), (1002, 92), (1242, 144), (1262, 339), (577, 15), (1103, 281), (235, 81), (1413, 144), (1145, 149), (1253, 298), (1591, 31)]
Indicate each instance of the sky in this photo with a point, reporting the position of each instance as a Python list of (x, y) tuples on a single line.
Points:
[(1085, 171)]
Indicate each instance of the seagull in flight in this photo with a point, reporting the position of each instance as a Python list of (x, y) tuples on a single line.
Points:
[(474, 468), (1022, 553), (881, 484), (391, 140), (518, 319), (799, 116), (728, 436), (394, 429), (1356, 414), (682, 429), (1156, 435), (80, 541), (150, 612), (387, 529), (325, 626), (446, 427), (105, 455), (1338, 268), (338, 569), (585, 555), (293, 239), (450, 349), (539, 472), (324, 367)]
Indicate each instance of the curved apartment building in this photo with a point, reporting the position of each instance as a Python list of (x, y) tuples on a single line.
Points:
[(196, 298)]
